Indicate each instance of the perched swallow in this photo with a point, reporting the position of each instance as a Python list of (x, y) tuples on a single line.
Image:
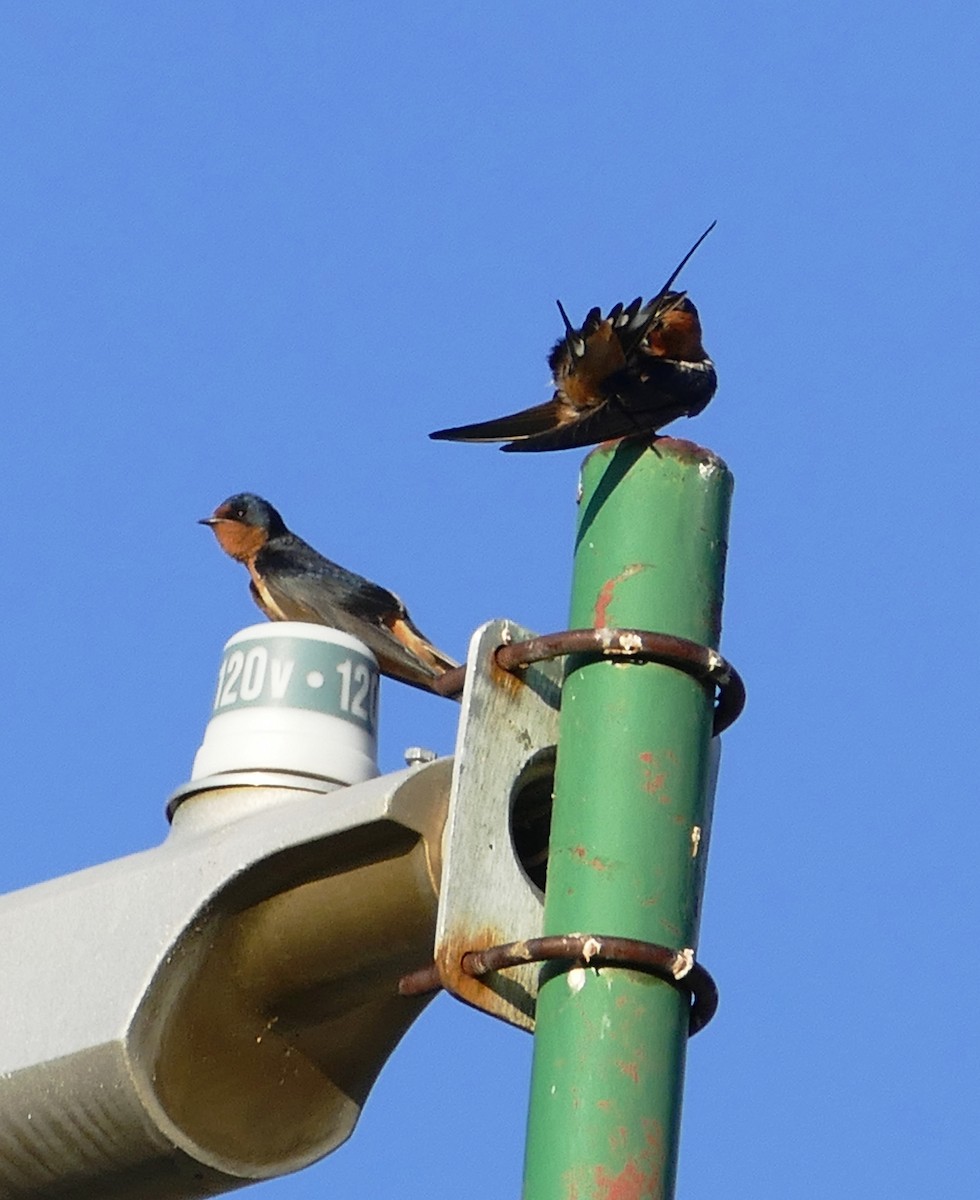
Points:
[(292, 582), (630, 372)]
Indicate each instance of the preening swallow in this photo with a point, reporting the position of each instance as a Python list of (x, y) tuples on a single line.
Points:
[(630, 372), (290, 581)]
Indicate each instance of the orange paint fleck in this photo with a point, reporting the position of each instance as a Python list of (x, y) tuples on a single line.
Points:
[(595, 864), (630, 1069), (653, 1134), (656, 784), (628, 1184), (605, 597), (641, 1177), (605, 1105), (603, 602), (655, 780), (619, 1138)]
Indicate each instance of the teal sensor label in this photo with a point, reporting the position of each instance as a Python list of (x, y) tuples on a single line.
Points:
[(285, 672)]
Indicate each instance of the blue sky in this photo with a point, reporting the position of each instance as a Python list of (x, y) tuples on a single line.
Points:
[(271, 246)]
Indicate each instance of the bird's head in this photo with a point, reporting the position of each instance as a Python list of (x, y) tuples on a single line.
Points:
[(243, 524)]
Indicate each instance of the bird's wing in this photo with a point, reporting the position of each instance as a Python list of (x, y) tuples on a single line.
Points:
[(640, 402), (309, 587), (523, 424)]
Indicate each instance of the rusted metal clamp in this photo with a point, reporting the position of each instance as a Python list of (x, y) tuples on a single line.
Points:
[(676, 967), (635, 645)]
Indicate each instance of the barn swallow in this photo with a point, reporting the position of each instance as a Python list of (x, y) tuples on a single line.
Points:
[(292, 582), (630, 372)]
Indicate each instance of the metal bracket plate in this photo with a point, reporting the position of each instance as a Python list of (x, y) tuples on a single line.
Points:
[(505, 749), (508, 727)]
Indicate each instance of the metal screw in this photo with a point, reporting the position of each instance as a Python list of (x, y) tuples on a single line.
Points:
[(416, 756)]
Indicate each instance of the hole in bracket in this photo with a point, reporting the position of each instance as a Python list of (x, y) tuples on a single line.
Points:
[(531, 802)]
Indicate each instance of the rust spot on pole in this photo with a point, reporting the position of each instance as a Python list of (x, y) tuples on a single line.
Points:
[(605, 596), (619, 1138), (631, 1183), (630, 1069)]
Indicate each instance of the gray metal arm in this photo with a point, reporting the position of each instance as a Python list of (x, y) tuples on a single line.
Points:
[(213, 1011)]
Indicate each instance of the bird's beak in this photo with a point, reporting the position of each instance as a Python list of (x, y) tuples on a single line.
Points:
[(209, 520)]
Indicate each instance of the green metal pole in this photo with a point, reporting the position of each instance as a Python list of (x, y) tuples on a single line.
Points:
[(629, 826)]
